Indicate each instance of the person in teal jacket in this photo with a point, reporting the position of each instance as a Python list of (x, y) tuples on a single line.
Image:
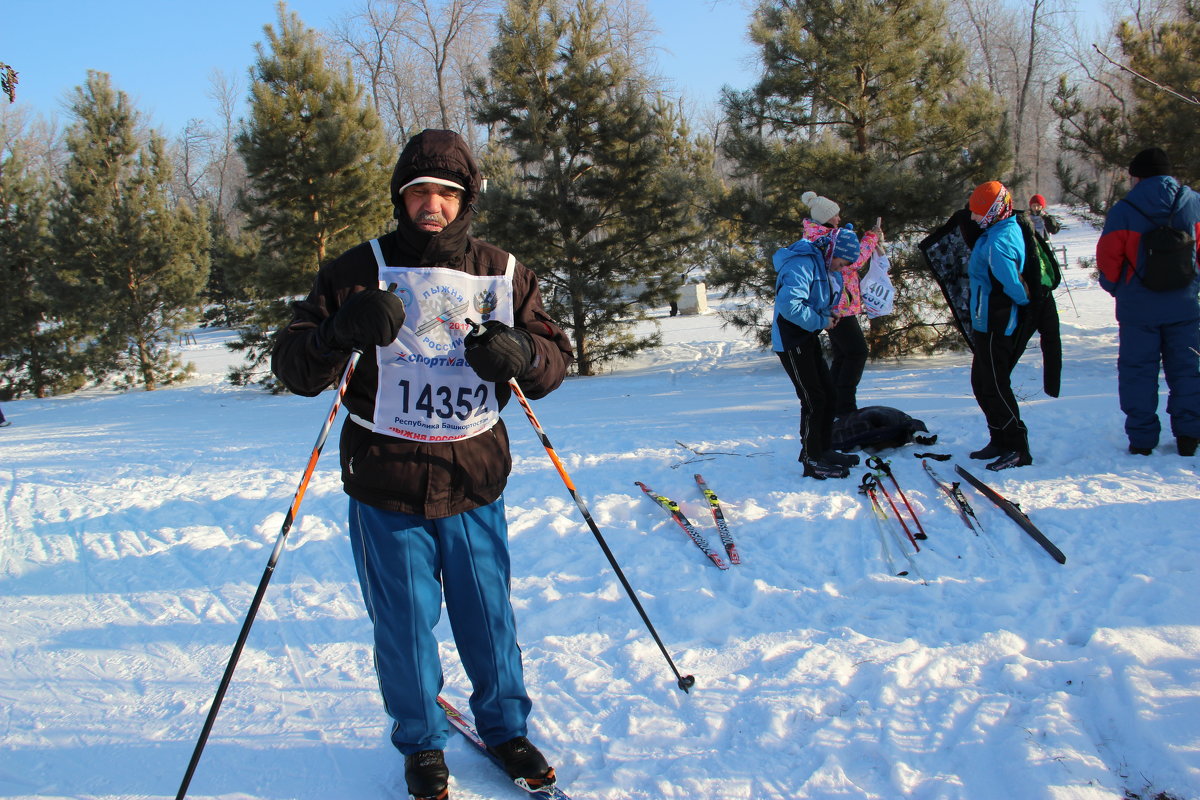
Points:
[(998, 299), (808, 286)]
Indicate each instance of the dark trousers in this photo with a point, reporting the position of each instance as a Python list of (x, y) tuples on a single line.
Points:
[(849, 359), (996, 355), (805, 365), (1142, 348)]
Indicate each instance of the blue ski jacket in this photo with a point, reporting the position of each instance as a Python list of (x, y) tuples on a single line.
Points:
[(995, 266), (805, 293)]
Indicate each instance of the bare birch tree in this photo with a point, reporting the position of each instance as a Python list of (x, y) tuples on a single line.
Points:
[(1018, 45), (417, 58)]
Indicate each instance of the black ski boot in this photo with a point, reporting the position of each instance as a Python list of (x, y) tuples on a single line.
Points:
[(1186, 445), (1013, 458), (821, 469), (992, 450), (840, 458), (524, 763), (427, 776)]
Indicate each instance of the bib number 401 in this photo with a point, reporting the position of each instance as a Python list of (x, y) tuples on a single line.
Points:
[(444, 402)]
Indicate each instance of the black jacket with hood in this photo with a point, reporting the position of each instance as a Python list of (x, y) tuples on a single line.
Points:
[(431, 479)]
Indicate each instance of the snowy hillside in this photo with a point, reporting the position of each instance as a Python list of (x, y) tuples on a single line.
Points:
[(135, 527)]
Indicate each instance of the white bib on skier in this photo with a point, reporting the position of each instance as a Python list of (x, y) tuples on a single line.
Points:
[(426, 391)]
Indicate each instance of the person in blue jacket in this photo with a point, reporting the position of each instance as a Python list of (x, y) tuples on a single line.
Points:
[(808, 286), (998, 299), (1154, 326)]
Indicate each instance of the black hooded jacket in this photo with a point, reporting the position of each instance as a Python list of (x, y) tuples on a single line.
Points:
[(432, 479)]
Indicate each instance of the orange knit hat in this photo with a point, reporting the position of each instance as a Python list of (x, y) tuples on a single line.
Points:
[(984, 196)]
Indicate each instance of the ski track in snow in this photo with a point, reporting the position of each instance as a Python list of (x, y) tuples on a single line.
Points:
[(134, 528)]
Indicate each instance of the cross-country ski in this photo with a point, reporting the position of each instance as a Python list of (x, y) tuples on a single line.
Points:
[(463, 724), (718, 514), (672, 509), (1015, 514)]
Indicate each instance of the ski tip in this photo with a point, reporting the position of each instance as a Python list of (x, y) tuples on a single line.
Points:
[(686, 682)]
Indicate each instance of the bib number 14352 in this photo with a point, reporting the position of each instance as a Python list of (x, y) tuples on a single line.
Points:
[(443, 402)]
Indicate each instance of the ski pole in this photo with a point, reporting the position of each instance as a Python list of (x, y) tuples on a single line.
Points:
[(879, 515), (288, 519), (899, 518), (870, 484), (886, 468), (684, 682)]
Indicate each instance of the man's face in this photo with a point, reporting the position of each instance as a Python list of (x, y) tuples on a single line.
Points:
[(1036, 208), (432, 206)]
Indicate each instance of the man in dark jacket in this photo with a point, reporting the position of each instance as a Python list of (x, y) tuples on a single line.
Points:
[(424, 452), (1154, 326)]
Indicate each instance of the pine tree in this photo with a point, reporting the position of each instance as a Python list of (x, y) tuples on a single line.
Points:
[(593, 181), (1151, 111), (130, 263), (317, 169), (865, 102), (230, 286), (36, 355)]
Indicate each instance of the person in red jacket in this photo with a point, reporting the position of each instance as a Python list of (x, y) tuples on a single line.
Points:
[(1153, 326), (424, 452)]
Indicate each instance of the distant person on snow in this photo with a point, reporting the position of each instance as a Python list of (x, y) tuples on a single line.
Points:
[(1043, 224), (999, 300), (846, 338), (4, 423), (424, 452), (807, 287), (1158, 314)]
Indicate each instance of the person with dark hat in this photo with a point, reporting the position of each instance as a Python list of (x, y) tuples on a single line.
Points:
[(1158, 314), (999, 298), (807, 287), (444, 321)]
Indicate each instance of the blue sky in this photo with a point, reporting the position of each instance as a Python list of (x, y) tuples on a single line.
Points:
[(162, 53)]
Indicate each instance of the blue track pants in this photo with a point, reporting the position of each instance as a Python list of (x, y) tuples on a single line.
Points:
[(405, 563)]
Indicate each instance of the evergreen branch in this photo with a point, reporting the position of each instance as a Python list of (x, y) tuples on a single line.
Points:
[(1193, 100)]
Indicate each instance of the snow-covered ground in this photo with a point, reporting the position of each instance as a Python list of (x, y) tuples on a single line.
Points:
[(134, 528)]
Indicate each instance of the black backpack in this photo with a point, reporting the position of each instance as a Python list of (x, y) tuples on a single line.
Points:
[(1169, 254)]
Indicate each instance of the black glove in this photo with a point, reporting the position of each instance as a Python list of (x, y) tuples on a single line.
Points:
[(498, 352), (367, 319)]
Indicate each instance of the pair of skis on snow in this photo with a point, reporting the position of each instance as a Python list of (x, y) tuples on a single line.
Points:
[(955, 496), (714, 505)]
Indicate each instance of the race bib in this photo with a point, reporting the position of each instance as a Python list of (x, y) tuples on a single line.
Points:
[(427, 392)]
